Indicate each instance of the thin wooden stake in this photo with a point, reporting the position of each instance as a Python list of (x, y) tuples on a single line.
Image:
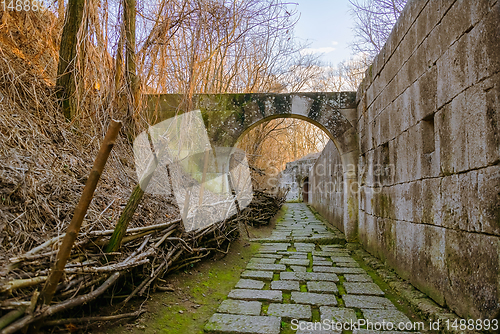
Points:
[(81, 209)]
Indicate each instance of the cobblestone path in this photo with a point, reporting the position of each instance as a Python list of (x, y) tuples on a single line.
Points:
[(302, 273)]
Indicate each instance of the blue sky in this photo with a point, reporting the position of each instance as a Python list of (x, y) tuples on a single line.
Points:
[(327, 25)]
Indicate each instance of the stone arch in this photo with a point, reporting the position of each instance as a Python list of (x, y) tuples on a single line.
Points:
[(228, 117)]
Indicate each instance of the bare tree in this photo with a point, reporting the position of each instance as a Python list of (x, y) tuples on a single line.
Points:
[(269, 146), (374, 22), (67, 56)]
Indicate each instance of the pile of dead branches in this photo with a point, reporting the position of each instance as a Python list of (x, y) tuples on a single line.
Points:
[(263, 207), (147, 253)]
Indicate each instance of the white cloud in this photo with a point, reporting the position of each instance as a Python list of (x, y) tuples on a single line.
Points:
[(309, 51), (335, 43)]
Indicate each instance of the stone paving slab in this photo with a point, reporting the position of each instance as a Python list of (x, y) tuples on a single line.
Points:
[(266, 266), (301, 235), (265, 275), (336, 248), (296, 262), (267, 251), (322, 263), (338, 314), (300, 269), (285, 285), (290, 311), (363, 288), (304, 247), (302, 256), (252, 294), (313, 298), (291, 253), (308, 276), (276, 246), (283, 239), (321, 277), (279, 246), (242, 307), (345, 259), (393, 316), (262, 260), (329, 247), (318, 239), (348, 264), (369, 302), (328, 253), (271, 256), (340, 254), (323, 269), (345, 270), (245, 324), (358, 278), (322, 286), (245, 283)]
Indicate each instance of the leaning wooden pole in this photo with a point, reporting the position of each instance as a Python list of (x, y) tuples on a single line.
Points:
[(81, 209)]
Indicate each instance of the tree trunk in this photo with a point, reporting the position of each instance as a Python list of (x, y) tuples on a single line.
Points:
[(130, 61), (67, 54)]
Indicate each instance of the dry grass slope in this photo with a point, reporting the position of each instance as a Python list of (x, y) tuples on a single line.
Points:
[(44, 160)]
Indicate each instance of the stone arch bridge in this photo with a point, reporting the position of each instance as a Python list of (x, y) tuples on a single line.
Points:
[(228, 117)]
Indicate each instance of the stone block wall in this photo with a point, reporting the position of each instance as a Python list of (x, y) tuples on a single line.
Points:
[(294, 176), (326, 186), (429, 167)]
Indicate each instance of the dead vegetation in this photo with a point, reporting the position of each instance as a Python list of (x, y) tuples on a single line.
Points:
[(44, 164)]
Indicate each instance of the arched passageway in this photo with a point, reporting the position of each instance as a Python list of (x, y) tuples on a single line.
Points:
[(228, 117)]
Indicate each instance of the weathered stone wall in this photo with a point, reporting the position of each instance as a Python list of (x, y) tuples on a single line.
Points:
[(429, 173), (326, 186), (295, 174)]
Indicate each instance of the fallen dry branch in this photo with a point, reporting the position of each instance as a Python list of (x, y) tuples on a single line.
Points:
[(92, 319), (263, 207), (147, 253)]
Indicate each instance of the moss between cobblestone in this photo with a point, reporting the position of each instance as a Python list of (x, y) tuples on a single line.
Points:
[(286, 327), (341, 285), (309, 268), (315, 314), (287, 297), (265, 307)]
